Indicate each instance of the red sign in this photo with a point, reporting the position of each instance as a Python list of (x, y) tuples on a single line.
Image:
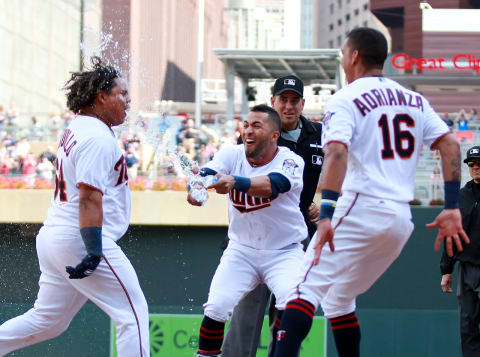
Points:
[(460, 61)]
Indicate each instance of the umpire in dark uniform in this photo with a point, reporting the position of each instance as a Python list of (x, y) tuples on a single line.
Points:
[(468, 288), (304, 138)]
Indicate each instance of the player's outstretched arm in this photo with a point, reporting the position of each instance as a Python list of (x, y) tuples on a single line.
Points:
[(90, 217), (334, 167), (449, 221), (259, 186), (333, 174)]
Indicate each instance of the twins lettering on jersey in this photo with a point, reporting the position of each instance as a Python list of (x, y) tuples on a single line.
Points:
[(378, 97), (67, 142), (121, 167), (245, 203), (60, 184)]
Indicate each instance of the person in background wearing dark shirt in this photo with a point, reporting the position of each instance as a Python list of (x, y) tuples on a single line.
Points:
[(49, 154), (468, 288), (448, 121), (304, 138)]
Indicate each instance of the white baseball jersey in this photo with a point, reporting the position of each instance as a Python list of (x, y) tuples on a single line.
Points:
[(263, 223), (384, 126), (88, 154)]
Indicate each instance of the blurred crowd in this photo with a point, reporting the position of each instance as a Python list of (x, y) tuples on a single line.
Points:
[(28, 168), (460, 121), (20, 125), (17, 160), (193, 148), (24, 166), (201, 144)]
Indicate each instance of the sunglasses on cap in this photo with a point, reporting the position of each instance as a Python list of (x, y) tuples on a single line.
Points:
[(473, 163)]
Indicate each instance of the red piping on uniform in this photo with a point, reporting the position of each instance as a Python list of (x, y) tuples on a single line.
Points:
[(266, 163), (130, 301), (346, 213), (338, 223), (338, 142), (89, 186), (432, 147), (304, 278)]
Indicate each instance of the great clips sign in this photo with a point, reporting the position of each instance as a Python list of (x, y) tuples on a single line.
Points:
[(461, 61)]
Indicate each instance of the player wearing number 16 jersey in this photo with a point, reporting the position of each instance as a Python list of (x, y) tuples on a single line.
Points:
[(373, 134), (79, 259)]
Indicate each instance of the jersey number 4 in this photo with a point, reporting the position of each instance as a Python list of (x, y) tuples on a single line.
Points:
[(403, 139), (60, 185)]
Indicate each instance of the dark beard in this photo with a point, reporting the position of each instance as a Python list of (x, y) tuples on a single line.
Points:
[(256, 153)]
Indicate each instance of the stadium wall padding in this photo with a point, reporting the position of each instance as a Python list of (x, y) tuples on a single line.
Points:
[(403, 314)]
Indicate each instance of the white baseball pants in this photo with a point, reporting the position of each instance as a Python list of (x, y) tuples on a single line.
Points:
[(369, 236), (113, 287), (242, 268)]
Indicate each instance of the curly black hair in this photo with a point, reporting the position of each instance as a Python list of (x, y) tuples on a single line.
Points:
[(82, 87)]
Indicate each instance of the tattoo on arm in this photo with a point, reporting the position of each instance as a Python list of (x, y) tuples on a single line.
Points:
[(457, 169)]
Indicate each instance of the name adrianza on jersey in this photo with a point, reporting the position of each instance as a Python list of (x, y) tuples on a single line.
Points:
[(386, 97), (246, 203)]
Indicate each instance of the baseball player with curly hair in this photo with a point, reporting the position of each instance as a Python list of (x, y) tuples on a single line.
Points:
[(264, 183), (374, 132), (76, 247)]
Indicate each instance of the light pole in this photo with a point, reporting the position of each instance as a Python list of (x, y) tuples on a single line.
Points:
[(200, 45)]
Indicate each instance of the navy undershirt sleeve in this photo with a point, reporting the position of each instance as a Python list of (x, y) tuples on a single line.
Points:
[(280, 184)]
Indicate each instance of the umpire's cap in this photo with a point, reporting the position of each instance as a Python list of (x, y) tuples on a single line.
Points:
[(288, 83), (472, 153)]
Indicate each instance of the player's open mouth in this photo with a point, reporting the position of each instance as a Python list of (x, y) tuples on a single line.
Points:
[(249, 141)]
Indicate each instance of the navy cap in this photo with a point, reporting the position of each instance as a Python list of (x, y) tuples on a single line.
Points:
[(288, 83), (472, 153)]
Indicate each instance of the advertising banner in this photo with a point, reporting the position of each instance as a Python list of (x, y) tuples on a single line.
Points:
[(177, 336)]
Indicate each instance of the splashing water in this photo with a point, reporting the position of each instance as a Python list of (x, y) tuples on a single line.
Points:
[(156, 135), (198, 184), (103, 45)]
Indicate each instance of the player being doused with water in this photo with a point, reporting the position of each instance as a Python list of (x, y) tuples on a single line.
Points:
[(263, 183), (76, 246)]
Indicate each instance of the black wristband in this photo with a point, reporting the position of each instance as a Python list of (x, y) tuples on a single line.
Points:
[(328, 204), (242, 183), (452, 193), (92, 238)]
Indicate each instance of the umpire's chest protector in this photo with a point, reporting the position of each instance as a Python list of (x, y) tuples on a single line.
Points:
[(309, 147)]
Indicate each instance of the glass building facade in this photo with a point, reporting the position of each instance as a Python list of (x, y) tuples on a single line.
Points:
[(40, 46)]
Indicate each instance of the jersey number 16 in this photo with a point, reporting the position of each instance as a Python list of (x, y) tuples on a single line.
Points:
[(403, 139)]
